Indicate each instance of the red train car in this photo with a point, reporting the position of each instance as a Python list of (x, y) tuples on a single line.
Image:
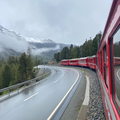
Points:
[(73, 62), (106, 59), (91, 62), (108, 63), (65, 62), (83, 61)]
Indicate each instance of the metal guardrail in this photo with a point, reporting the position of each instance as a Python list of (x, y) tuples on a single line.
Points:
[(24, 83)]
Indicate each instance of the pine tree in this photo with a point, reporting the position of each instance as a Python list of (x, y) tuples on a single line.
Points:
[(29, 60), (65, 53), (22, 68), (11, 60), (6, 76), (14, 74), (25, 67), (2, 68)]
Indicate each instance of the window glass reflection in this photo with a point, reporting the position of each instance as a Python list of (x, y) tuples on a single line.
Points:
[(116, 47)]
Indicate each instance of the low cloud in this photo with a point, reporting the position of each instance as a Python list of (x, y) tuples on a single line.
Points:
[(10, 42), (41, 50), (19, 44)]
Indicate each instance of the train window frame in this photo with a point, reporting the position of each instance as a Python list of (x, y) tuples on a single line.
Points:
[(98, 63), (101, 63), (104, 64), (105, 54), (112, 70), (96, 60)]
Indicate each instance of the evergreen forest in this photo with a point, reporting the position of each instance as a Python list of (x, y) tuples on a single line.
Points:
[(89, 48), (16, 70)]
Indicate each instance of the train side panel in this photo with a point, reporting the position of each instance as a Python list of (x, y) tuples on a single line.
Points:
[(73, 62), (65, 62), (83, 62), (91, 62), (108, 67)]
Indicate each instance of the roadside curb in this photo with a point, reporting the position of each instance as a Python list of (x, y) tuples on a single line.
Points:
[(83, 110)]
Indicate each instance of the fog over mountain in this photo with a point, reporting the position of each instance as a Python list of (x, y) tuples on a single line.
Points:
[(12, 43)]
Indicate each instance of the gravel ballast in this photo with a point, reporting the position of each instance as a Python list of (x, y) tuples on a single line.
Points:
[(95, 110)]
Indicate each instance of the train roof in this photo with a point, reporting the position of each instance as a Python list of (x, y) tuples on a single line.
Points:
[(91, 56), (110, 16), (79, 58), (74, 59), (65, 60), (82, 58)]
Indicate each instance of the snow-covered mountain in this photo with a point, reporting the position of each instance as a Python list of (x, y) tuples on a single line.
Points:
[(12, 43), (36, 40), (21, 37)]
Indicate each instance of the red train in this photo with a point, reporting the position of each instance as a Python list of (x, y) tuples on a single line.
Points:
[(85, 62), (107, 63)]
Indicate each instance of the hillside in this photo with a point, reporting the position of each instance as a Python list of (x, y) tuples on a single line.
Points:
[(12, 43)]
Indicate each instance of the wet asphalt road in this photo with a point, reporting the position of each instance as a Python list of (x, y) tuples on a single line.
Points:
[(39, 101)]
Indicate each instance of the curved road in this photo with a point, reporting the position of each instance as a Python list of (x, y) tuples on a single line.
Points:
[(45, 100)]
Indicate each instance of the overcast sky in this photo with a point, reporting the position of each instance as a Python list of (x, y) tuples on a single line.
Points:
[(63, 21)]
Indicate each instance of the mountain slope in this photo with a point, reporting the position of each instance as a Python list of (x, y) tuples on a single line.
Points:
[(12, 43)]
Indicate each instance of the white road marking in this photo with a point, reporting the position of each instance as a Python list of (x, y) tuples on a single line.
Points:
[(55, 81), (86, 100), (31, 96), (59, 78)]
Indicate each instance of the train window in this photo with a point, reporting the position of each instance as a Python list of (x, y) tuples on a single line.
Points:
[(116, 64), (105, 67), (105, 56)]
